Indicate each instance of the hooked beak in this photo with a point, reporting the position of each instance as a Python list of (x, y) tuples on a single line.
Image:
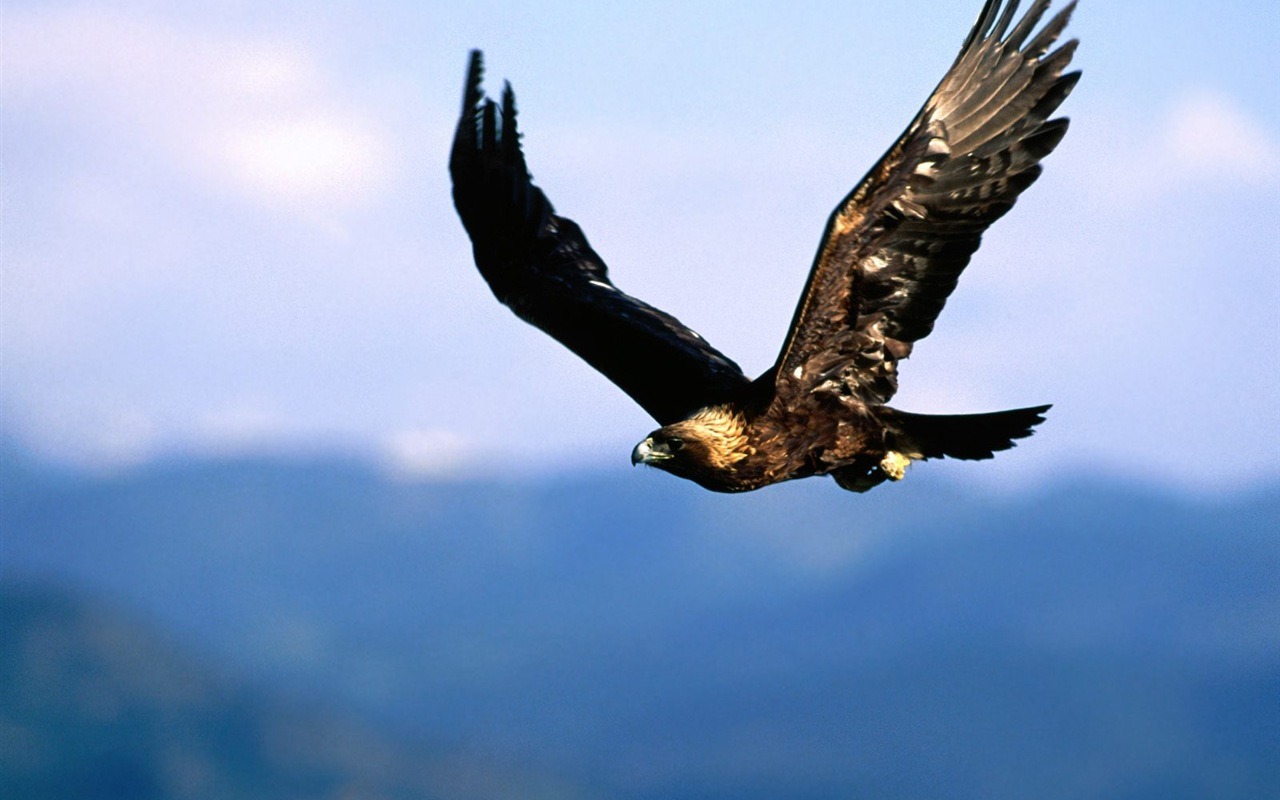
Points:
[(648, 452)]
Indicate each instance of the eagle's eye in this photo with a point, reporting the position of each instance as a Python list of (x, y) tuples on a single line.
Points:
[(675, 443)]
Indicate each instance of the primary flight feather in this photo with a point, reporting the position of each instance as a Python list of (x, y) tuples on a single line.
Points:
[(889, 258)]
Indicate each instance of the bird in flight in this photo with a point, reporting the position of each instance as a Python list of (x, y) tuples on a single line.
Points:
[(889, 257)]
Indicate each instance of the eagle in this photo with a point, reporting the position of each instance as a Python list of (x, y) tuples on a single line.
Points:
[(889, 258)]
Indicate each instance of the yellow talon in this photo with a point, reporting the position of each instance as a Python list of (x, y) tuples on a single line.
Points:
[(894, 465)]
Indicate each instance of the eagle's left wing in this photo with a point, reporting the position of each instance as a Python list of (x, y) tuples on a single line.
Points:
[(540, 265), (894, 248)]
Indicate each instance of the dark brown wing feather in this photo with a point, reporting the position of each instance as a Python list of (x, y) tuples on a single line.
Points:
[(894, 248), (541, 266)]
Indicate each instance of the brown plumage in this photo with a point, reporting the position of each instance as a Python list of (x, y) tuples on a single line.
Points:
[(889, 258)]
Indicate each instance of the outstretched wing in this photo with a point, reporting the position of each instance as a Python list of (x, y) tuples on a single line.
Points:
[(894, 248), (541, 266)]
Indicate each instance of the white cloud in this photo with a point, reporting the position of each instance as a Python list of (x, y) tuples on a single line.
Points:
[(106, 441), (255, 117), (426, 453), (1207, 134), (241, 427), (1201, 139), (303, 159)]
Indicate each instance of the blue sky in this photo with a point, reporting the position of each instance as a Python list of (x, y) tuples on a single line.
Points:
[(230, 231)]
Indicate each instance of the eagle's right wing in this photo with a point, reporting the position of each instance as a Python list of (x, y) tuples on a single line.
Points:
[(541, 266), (894, 248)]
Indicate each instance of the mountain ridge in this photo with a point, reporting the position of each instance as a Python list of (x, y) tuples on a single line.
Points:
[(664, 642)]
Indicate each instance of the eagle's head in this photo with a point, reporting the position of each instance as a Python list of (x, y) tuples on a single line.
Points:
[(703, 448)]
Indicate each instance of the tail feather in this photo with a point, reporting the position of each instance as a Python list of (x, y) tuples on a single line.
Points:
[(967, 436)]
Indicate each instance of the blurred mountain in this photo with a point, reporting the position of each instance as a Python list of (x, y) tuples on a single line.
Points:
[(633, 632), (95, 705)]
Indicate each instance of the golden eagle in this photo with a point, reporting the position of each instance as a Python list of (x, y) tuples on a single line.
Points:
[(889, 258)]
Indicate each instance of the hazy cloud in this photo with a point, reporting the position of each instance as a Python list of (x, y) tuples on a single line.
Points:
[(1208, 135), (426, 453), (257, 117)]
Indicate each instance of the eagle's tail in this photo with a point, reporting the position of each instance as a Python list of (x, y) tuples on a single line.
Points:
[(921, 436), (967, 436)]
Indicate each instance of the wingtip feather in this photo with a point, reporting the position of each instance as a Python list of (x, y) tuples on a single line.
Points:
[(1005, 20), (1046, 138), (471, 91), (982, 25), (1051, 31), (1027, 24), (510, 135)]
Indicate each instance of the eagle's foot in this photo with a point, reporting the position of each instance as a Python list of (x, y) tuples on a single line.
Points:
[(894, 465)]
